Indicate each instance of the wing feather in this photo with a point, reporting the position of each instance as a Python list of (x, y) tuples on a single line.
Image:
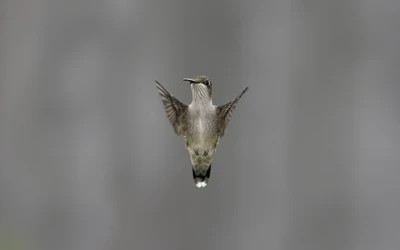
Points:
[(225, 111), (174, 108)]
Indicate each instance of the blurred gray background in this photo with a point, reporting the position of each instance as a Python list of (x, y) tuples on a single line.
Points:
[(310, 160)]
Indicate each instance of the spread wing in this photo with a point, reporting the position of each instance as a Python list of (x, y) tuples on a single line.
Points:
[(175, 110), (225, 112)]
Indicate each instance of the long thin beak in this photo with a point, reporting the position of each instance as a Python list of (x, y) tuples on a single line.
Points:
[(191, 80)]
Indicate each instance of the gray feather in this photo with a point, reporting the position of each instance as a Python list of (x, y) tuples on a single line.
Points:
[(175, 110), (225, 112)]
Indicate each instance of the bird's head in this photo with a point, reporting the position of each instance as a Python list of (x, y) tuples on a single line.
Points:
[(201, 87)]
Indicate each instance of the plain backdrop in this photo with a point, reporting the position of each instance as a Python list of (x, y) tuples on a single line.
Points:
[(309, 161)]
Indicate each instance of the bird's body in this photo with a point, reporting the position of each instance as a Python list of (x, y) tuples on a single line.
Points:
[(202, 135), (201, 123)]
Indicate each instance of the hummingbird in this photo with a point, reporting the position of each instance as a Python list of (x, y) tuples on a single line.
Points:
[(201, 123)]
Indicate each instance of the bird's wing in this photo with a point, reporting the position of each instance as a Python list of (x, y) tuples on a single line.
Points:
[(174, 108), (225, 112)]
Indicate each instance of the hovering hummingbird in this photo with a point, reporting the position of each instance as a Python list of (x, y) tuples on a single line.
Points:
[(202, 124)]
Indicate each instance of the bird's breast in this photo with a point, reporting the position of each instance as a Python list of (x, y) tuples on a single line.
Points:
[(201, 137)]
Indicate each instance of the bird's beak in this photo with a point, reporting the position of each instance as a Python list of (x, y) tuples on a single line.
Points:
[(191, 80)]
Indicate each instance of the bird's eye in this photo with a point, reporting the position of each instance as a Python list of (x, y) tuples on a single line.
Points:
[(207, 83)]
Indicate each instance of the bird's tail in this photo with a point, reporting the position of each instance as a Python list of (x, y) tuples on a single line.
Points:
[(201, 179)]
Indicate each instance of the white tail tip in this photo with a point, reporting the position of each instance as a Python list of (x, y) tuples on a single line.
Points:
[(201, 183)]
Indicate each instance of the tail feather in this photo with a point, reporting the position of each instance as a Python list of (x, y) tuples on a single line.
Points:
[(201, 179)]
